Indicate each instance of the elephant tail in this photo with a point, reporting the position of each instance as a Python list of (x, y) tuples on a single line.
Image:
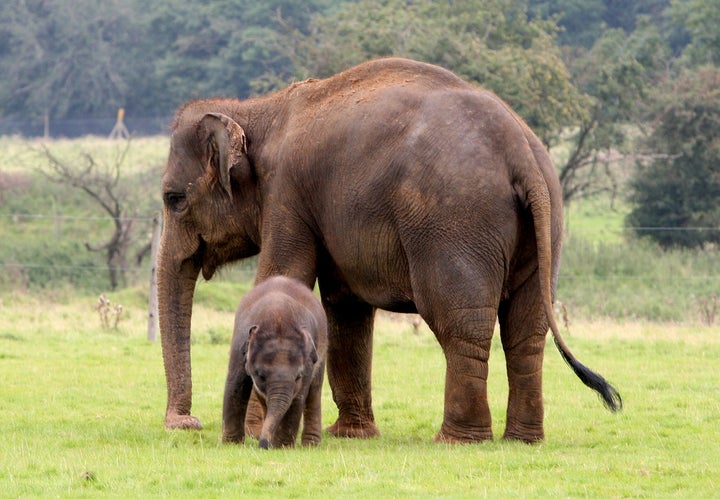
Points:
[(538, 199)]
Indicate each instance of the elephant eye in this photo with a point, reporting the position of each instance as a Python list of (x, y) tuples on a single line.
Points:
[(175, 201)]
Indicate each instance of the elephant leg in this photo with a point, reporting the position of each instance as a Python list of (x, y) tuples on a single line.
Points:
[(349, 366), (237, 392), (312, 416), (523, 327), (465, 335), (287, 430), (254, 416)]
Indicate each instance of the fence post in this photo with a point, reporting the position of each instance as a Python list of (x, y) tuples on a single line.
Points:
[(120, 130), (153, 297)]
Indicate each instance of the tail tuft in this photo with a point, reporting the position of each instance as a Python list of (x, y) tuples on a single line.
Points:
[(610, 396)]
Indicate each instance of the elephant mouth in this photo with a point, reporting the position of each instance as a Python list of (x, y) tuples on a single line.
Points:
[(207, 259), (213, 256)]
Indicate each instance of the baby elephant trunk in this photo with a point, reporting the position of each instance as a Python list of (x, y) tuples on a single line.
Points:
[(278, 399)]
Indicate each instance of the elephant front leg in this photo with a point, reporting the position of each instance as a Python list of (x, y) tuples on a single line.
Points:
[(312, 416), (466, 343), (349, 366), (237, 392)]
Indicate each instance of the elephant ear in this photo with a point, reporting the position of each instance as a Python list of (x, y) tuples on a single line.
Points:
[(226, 145), (310, 345), (246, 345)]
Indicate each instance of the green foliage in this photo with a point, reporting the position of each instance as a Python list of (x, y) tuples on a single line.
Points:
[(83, 417), (65, 58), (679, 187), (700, 18), (496, 46), (82, 58), (614, 76), (584, 21)]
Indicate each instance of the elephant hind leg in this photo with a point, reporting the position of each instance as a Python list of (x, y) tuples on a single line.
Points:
[(254, 417), (523, 328), (465, 335)]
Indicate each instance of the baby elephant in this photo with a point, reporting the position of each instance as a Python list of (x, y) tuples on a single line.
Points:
[(278, 349)]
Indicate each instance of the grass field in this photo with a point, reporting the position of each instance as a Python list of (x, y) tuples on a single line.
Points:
[(83, 409)]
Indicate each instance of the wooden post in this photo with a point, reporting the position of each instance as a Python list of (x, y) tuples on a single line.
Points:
[(46, 125), (119, 130), (153, 325)]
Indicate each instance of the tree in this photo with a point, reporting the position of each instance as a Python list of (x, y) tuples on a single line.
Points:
[(701, 19), (103, 183), (64, 58), (583, 22), (614, 77), (677, 192), (494, 45), (223, 47)]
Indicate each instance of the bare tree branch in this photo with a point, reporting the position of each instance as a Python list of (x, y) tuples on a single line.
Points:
[(101, 182)]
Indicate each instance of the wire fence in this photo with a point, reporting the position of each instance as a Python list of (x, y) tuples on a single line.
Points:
[(20, 266)]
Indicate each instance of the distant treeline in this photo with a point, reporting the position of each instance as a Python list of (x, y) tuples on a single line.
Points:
[(83, 58)]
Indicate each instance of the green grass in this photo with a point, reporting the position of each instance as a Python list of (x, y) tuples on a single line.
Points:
[(83, 408), (596, 220)]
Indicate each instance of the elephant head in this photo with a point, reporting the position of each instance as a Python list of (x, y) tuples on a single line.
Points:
[(211, 214), (280, 362)]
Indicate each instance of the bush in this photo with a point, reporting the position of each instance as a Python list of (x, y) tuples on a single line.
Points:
[(678, 190)]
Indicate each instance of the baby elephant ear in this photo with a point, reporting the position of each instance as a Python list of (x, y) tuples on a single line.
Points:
[(245, 345), (309, 343), (226, 145)]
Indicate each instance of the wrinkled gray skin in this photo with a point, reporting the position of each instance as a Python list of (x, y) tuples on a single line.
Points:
[(278, 350), (396, 185)]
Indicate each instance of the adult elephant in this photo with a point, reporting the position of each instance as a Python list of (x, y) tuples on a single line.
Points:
[(398, 186)]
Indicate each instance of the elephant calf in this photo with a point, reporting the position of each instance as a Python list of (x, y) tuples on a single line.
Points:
[(278, 349)]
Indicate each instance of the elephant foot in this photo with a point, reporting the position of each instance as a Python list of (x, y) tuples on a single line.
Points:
[(446, 435), (519, 438), (353, 430), (529, 435), (182, 422), (314, 442), (233, 439)]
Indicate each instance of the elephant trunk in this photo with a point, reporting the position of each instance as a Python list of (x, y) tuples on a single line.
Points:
[(176, 287), (278, 399)]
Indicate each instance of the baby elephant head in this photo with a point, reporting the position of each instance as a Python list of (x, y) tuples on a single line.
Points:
[(280, 362)]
